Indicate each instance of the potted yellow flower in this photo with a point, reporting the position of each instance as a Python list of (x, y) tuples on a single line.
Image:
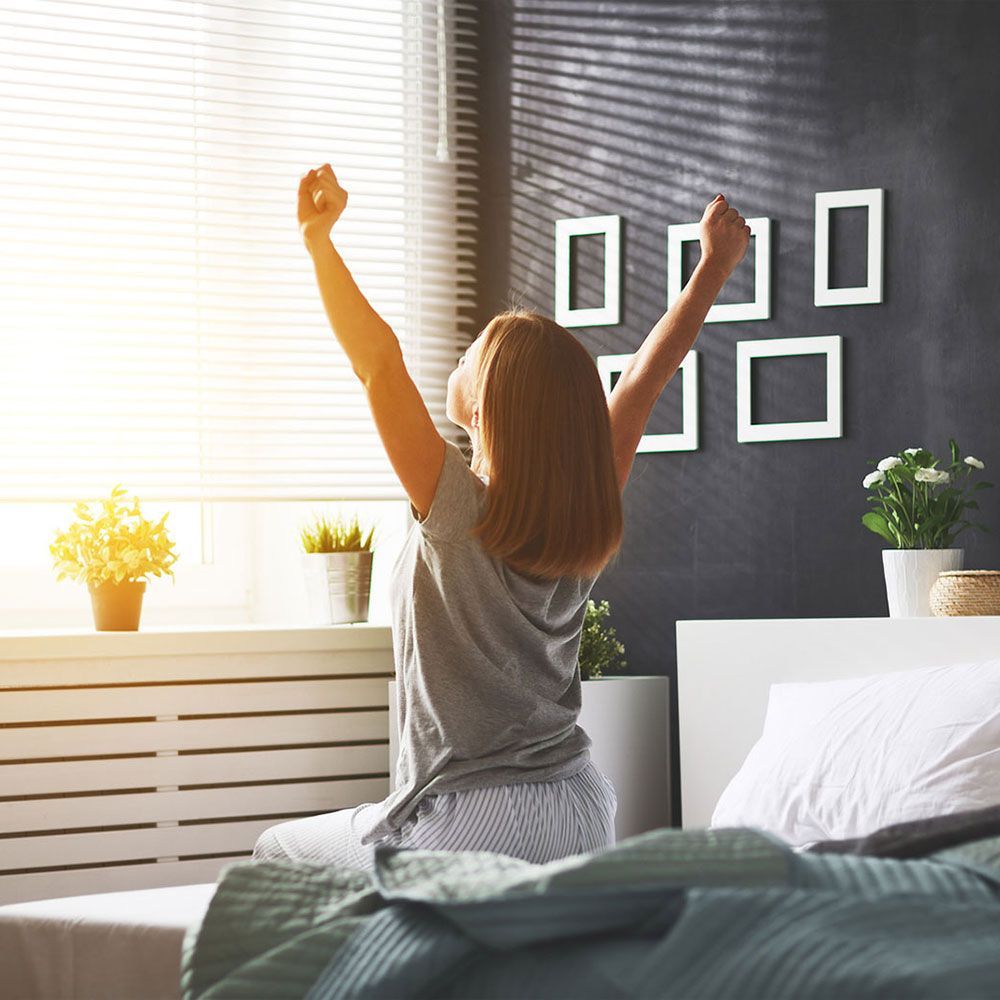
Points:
[(111, 553)]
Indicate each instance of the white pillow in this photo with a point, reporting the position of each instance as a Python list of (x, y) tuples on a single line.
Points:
[(843, 758)]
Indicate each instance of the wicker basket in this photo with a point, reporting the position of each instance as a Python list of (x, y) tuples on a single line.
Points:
[(966, 592)]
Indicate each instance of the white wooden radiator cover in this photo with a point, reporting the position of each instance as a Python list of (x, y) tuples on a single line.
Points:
[(152, 758)]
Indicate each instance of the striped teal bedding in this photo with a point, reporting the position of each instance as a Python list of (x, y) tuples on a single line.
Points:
[(725, 913)]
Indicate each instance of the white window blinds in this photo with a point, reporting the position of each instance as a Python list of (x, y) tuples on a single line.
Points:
[(159, 320)]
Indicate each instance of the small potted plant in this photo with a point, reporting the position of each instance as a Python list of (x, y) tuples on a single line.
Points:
[(920, 509), (112, 553), (628, 721), (337, 560)]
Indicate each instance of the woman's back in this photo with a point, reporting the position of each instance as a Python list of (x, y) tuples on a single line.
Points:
[(491, 757), (486, 659)]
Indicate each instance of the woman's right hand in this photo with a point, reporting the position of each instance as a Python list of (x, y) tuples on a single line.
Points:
[(321, 203), (724, 235)]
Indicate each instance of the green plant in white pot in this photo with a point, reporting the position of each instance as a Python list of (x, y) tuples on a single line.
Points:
[(920, 509), (627, 718), (337, 560)]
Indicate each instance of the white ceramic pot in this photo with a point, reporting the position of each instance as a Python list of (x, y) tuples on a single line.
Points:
[(628, 722), (910, 574), (338, 586)]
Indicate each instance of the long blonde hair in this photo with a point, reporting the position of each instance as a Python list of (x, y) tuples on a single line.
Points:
[(553, 507)]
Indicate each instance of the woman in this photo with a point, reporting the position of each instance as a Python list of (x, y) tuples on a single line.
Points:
[(490, 590)]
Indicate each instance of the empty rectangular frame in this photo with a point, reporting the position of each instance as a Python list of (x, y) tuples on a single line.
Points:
[(687, 438), (798, 430), (731, 312), (594, 225), (872, 199)]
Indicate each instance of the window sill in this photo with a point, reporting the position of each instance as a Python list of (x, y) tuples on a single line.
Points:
[(173, 640)]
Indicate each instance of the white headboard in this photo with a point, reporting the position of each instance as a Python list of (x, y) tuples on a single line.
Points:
[(725, 669)]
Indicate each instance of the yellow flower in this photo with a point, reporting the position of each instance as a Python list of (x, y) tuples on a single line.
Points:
[(120, 544)]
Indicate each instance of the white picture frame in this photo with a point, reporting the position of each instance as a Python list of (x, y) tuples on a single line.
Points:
[(731, 312), (608, 226), (871, 292), (797, 430), (687, 438)]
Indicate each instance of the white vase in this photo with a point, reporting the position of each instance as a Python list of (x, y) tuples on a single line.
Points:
[(910, 574)]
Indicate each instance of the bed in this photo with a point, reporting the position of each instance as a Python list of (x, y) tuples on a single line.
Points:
[(280, 929), (725, 670), (108, 945)]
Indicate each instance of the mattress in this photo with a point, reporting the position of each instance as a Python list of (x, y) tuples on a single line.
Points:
[(112, 945)]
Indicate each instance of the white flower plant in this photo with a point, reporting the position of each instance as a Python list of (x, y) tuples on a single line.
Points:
[(916, 504)]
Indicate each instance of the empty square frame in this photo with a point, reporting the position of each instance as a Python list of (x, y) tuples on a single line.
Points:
[(872, 199), (594, 225), (730, 312), (687, 438), (798, 430)]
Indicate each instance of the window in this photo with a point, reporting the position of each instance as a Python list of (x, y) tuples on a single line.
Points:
[(161, 324)]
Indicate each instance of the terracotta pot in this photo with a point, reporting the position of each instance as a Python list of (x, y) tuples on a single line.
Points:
[(117, 606)]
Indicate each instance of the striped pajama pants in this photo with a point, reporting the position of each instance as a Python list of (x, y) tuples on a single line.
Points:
[(536, 821)]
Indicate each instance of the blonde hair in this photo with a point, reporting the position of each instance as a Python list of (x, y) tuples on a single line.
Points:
[(553, 507)]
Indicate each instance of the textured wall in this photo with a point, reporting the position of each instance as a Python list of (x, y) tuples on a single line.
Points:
[(648, 110)]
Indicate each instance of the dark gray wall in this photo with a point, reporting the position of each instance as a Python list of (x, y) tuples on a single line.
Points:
[(648, 110)]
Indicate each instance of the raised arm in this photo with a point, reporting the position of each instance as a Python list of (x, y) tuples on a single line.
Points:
[(724, 238), (415, 448)]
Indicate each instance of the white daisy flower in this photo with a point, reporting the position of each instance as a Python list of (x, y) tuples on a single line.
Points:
[(912, 451), (873, 479), (889, 463), (974, 462), (935, 476)]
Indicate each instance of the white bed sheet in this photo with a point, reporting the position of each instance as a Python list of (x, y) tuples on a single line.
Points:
[(110, 945)]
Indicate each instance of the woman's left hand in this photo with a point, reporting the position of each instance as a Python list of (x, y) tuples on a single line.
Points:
[(321, 202)]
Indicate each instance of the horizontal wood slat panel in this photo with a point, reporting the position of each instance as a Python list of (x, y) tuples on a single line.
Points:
[(156, 644), (188, 769), (57, 850), (39, 815), (71, 785), (61, 704), (84, 881), (160, 669), (19, 743)]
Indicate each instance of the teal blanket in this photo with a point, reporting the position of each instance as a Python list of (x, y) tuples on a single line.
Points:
[(724, 913)]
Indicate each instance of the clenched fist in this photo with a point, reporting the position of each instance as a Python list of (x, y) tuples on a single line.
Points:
[(724, 235), (321, 202)]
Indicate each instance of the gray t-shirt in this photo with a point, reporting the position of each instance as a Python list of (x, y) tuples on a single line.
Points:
[(488, 684)]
